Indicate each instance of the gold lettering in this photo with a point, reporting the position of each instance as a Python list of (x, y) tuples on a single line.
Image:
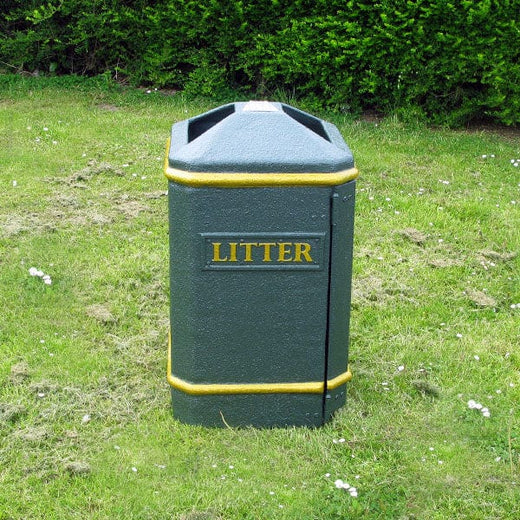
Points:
[(302, 249), (233, 251), (298, 252), (284, 249), (267, 250), (248, 247), (216, 252)]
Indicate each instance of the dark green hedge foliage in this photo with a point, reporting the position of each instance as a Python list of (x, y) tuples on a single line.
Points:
[(443, 60)]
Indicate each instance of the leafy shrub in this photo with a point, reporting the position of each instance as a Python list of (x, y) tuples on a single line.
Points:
[(451, 61)]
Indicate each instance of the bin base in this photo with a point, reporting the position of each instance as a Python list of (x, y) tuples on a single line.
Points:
[(257, 410)]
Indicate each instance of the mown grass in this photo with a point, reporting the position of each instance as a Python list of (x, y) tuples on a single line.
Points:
[(85, 423)]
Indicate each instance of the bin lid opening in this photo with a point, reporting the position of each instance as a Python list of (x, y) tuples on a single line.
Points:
[(201, 124), (308, 121)]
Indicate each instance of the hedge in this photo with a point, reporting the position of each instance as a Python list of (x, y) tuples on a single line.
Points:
[(445, 60)]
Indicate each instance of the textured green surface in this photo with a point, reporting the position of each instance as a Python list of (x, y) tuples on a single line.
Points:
[(275, 138), (340, 277), (239, 320)]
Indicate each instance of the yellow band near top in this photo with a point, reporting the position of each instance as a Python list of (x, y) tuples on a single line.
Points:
[(314, 387), (259, 180), (256, 180)]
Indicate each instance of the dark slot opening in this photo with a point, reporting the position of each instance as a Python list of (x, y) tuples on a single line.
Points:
[(197, 126), (327, 333), (312, 123)]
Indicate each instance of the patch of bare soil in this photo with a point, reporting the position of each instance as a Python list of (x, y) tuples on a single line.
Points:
[(33, 434), (130, 208), (201, 515), (426, 388), (498, 257), (414, 235), (66, 200), (480, 298), (156, 194), (373, 290), (44, 387), (20, 373), (371, 116), (441, 263), (108, 107), (510, 132), (10, 413), (66, 210), (100, 313), (13, 225), (77, 218), (92, 169), (76, 468)]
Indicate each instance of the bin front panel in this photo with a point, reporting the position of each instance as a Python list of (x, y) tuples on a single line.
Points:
[(249, 284)]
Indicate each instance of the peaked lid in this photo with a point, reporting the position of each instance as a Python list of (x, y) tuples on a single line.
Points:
[(257, 137)]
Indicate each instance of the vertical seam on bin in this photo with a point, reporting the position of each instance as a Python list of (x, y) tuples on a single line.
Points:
[(327, 330)]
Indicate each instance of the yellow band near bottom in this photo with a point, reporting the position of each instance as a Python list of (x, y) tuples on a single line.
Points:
[(313, 387)]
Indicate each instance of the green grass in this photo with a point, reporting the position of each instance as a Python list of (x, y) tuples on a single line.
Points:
[(86, 429)]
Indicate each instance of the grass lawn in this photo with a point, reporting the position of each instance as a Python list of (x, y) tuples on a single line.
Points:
[(431, 428)]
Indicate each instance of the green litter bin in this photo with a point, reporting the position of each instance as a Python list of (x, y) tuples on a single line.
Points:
[(261, 216)]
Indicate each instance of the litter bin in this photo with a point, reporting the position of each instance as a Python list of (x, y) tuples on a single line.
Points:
[(261, 215)]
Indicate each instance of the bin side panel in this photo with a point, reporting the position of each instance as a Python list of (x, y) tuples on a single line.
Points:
[(340, 291)]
